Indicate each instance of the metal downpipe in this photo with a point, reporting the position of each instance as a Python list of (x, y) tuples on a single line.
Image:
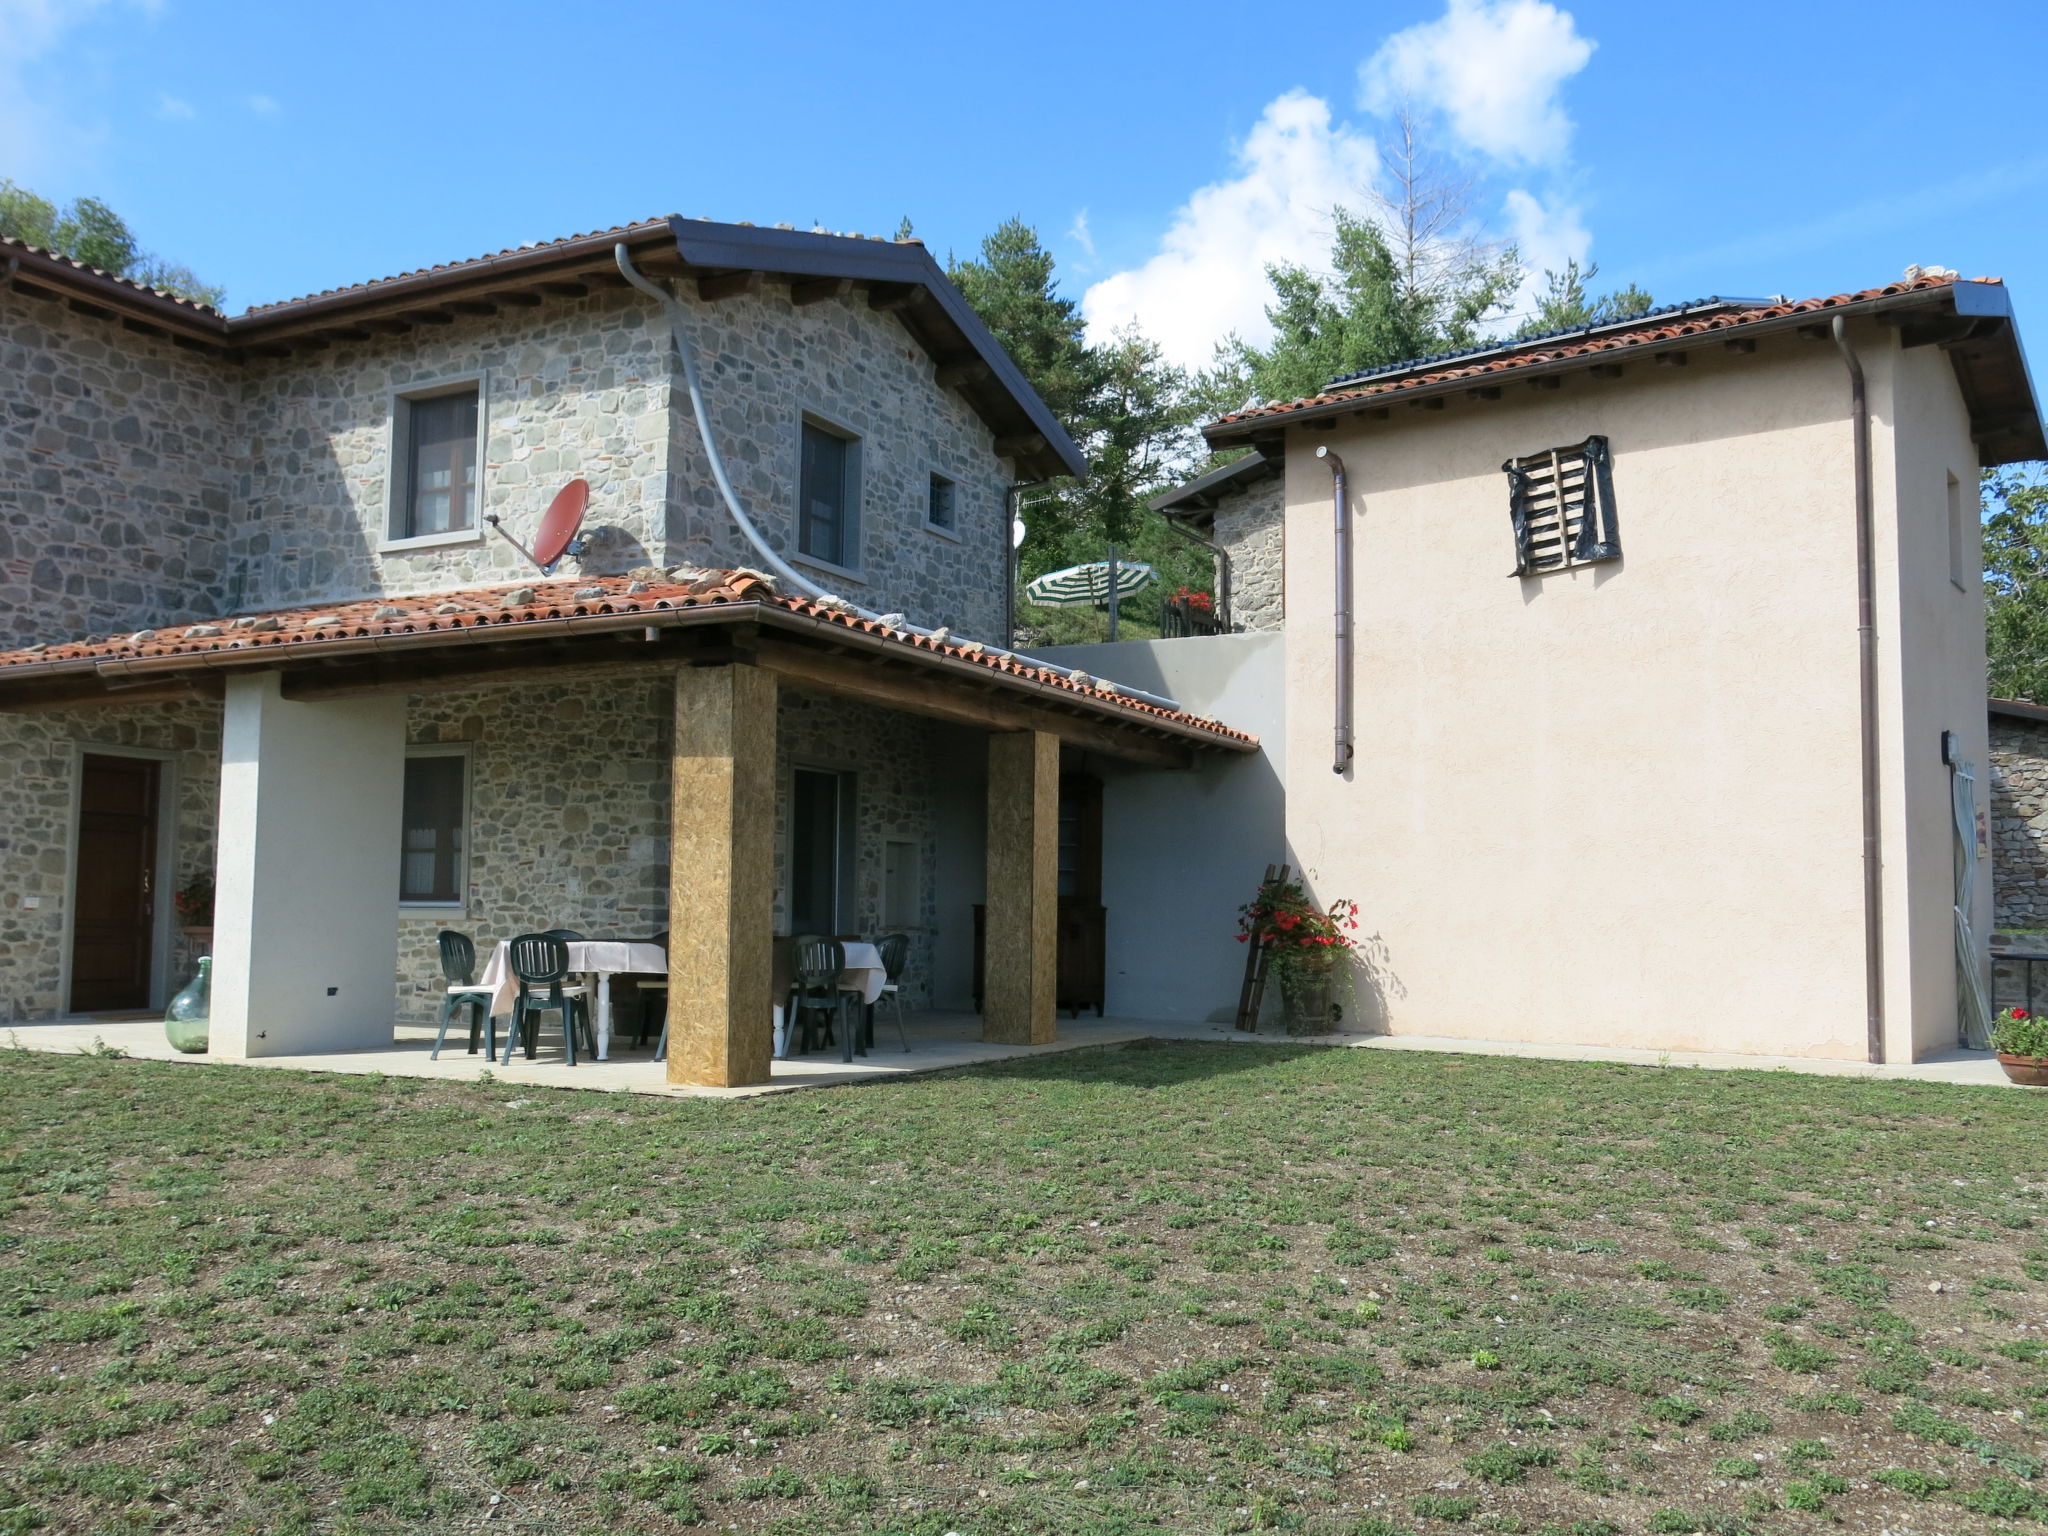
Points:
[(1341, 511), (1866, 664), (775, 563)]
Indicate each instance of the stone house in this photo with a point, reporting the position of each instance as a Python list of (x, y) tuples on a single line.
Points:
[(268, 613), (2019, 815), (1649, 658)]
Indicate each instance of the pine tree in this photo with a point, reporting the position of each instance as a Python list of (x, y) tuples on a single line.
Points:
[(1566, 305)]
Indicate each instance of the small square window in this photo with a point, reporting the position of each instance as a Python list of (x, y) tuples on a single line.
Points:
[(900, 905), (1965, 536), (826, 511), (438, 446), (939, 509), (1561, 504), (436, 829)]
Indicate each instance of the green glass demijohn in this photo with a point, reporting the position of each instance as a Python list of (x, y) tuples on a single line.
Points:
[(185, 1021)]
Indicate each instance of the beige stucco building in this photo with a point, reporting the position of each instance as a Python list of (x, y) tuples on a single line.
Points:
[(1611, 790)]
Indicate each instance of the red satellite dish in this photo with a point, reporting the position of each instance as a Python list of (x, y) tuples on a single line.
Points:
[(559, 525)]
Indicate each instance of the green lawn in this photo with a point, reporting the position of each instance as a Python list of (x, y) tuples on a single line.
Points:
[(1185, 1288)]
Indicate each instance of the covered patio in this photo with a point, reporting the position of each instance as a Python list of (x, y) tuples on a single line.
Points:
[(319, 709)]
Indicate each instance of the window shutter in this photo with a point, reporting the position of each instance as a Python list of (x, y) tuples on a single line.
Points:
[(1561, 505)]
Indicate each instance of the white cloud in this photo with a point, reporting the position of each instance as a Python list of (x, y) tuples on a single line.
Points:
[(1081, 235), (173, 110), (1493, 69), (1547, 234), (1209, 276), (265, 106), (35, 137)]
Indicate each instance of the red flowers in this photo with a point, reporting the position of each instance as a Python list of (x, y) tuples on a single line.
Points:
[(1281, 918), (2018, 1013)]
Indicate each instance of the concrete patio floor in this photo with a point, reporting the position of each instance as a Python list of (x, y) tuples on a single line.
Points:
[(938, 1041)]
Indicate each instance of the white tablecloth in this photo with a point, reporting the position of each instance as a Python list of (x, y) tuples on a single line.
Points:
[(602, 959), (597, 959), (864, 971)]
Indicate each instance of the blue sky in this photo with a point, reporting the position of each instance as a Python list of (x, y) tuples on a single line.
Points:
[(1165, 151)]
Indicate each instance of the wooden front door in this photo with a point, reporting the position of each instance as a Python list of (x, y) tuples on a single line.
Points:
[(114, 915)]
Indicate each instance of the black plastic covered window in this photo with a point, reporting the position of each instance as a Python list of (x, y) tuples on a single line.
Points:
[(1561, 503)]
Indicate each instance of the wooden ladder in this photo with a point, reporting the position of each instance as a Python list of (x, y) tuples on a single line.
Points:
[(1252, 995)]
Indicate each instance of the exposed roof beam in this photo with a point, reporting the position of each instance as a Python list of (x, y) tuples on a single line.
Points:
[(729, 285), (816, 290)]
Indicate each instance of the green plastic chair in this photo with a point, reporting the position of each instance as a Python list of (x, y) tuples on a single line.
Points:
[(895, 950), (458, 968), (818, 964), (541, 960)]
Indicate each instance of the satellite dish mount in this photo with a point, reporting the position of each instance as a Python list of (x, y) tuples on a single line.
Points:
[(560, 527)]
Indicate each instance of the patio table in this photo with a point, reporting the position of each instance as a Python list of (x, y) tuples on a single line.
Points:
[(598, 960)]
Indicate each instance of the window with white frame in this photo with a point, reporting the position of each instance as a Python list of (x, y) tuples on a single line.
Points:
[(433, 864), (1561, 505), (436, 454), (828, 496)]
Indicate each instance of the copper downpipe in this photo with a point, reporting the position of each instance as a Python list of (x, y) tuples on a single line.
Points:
[(1866, 663)]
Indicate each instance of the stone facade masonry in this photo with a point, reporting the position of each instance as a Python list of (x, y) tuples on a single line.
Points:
[(144, 485), (1250, 524), (569, 815), (2019, 822), (116, 455), (39, 755)]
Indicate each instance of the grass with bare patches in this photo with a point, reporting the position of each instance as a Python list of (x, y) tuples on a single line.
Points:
[(1188, 1288)]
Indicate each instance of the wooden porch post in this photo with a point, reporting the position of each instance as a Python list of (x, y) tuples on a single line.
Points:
[(1021, 948), (722, 877)]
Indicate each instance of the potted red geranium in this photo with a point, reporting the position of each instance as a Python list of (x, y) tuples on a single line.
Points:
[(2021, 1039), (1302, 942)]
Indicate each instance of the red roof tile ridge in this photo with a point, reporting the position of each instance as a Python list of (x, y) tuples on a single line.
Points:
[(1551, 349), (10, 242), (534, 600)]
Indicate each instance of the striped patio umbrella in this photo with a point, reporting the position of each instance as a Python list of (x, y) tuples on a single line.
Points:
[(1087, 586)]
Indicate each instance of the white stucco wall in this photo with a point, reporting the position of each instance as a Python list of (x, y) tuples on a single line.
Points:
[(305, 924), (1938, 685), (1182, 850), (1620, 804)]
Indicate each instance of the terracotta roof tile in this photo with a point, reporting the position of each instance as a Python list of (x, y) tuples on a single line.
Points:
[(507, 608), (622, 231), (644, 226), (1426, 372), (8, 244)]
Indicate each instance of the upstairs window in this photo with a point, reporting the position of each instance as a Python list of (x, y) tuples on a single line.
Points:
[(938, 511), (1561, 504), (826, 501), (437, 455)]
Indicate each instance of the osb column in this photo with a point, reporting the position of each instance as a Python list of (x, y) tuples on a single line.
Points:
[(1021, 947), (722, 877)]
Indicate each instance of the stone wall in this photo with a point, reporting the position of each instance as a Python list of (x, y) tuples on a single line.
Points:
[(39, 756), (592, 387), (571, 387), (767, 364), (115, 471), (1250, 525), (568, 817), (894, 765), (569, 814), (2019, 822)]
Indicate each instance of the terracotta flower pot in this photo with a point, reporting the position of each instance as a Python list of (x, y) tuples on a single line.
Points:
[(2032, 1071)]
